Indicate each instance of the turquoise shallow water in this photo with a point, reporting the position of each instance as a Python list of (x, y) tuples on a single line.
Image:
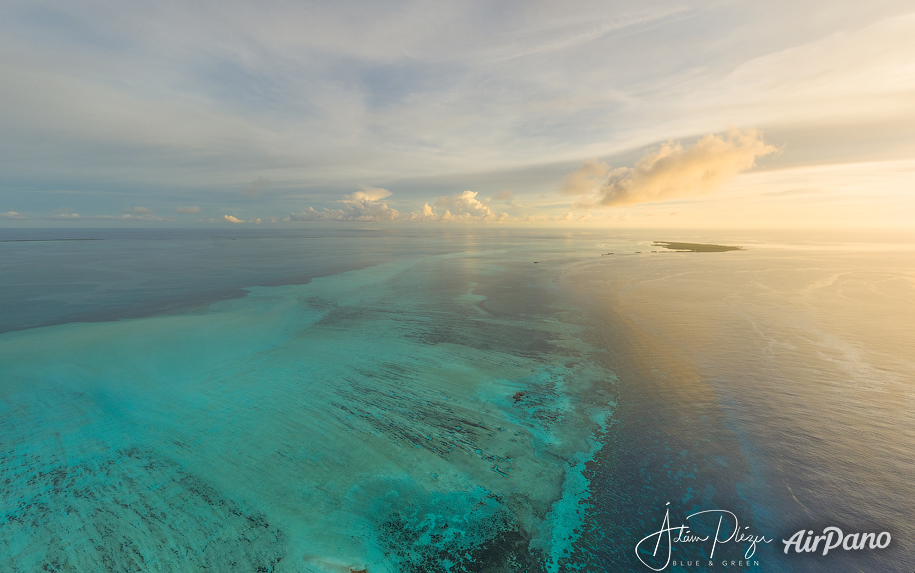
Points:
[(379, 418), (447, 401)]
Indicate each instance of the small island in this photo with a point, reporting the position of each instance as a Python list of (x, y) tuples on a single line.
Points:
[(696, 247)]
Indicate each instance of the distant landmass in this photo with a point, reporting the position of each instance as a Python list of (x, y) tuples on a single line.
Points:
[(696, 247)]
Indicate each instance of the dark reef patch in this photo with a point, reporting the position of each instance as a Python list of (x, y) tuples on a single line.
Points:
[(432, 532), (134, 511)]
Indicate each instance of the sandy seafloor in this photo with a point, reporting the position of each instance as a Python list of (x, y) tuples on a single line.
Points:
[(461, 400)]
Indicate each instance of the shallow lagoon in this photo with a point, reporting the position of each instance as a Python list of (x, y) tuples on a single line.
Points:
[(367, 419), (443, 405)]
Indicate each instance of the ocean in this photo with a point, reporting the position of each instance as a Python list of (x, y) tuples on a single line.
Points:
[(415, 399)]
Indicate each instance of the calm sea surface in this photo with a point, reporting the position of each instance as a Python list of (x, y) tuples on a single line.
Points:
[(418, 400)]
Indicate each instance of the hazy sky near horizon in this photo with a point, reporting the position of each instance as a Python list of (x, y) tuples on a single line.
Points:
[(797, 114)]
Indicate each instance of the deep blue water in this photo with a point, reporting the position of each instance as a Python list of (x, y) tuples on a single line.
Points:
[(412, 399)]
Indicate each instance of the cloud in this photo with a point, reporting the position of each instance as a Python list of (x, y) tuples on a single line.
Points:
[(366, 194), (366, 205), (12, 215), (555, 36), (570, 216), (367, 211), (233, 219), (465, 207), (851, 72), (143, 217), (135, 214), (187, 210), (126, 217), (363, 205), (585, 179), (314, 98), (504, 195), (68, 216), (670, 172), (256, 187)]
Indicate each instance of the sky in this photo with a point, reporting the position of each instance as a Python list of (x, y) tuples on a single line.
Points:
[(796, 114)]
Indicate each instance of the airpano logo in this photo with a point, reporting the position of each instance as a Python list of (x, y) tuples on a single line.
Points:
[(804, 541)]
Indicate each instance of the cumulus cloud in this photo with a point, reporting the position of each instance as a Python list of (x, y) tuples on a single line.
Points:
[(187, 210), (585, 179), (366, 193), (233, 219), (12, 215), (363, 205), (670, 172), (504, 195), (465, 207), (68, 216), (367, 211), (366, 205)]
